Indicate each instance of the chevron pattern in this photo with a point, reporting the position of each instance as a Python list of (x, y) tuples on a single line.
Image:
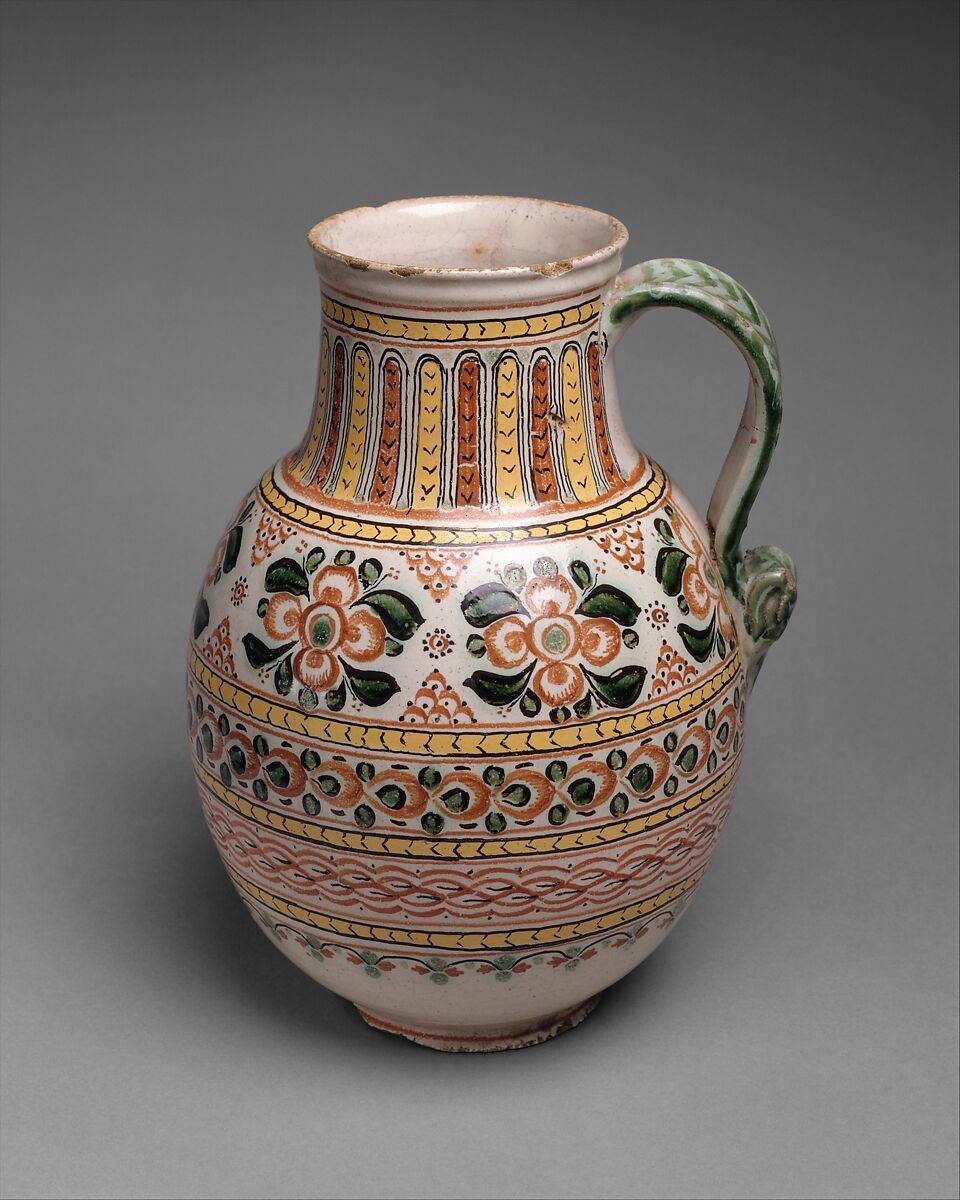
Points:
[(409, 329), (445, 743)]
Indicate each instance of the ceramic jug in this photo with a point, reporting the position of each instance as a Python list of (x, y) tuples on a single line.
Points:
[(468, 674)]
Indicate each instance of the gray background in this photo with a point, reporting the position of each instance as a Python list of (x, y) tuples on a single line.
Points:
[(162, 163)]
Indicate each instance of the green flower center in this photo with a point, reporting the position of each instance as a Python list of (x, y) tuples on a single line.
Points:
[(321, 631), (556, 639)]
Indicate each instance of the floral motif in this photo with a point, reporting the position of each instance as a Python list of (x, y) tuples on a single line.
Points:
[(238, 593), (501, 968), (327, 626), (438, 643), (544, 631), (438, 570), (655, 614), (436, 703), (686, 573)]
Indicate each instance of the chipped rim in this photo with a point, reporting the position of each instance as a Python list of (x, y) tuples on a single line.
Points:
[(553, 267)]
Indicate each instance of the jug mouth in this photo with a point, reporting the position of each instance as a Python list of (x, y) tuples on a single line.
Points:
[(470, 236)]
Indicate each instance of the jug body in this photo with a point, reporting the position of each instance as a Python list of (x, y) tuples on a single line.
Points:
[(467, 681)]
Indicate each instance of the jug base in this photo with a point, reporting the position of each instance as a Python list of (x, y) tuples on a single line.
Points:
[(504, 1037)]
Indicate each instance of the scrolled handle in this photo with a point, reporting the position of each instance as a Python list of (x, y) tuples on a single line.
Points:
[(761, 584)]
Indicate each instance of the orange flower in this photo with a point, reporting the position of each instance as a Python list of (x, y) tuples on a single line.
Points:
[(555, 635), (324, 627)]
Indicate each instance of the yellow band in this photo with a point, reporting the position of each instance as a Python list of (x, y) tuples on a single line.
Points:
[(412, 329), (454, 743), (357, 529)]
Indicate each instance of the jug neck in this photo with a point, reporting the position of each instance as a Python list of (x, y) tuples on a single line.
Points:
[(441, 408)]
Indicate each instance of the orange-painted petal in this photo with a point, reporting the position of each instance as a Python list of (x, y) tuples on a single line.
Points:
[(282, 616), (558, 683), (336, 585), (316, 669), (505, 642), (549, 596), (363, 638), (599, 641)]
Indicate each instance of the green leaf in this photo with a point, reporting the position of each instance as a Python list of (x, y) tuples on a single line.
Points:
[(608, 601), (278, 774), (699, 642), (371, 687), (621, 689), (391, 648), (499, 689), (286, 575), (663, 529), (201, 617), (232, 550), (284, 676), (370, 571), (247, 510), (581, 574), (671, 564), (399, 614), (314, 559), (336, 698), (259, 655), (582, 791), (488, 603)]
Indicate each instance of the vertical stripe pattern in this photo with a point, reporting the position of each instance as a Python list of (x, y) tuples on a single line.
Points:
[(388, 455), (302, 468), (426, 479), (544, 475), (507, 432), (576, 451), (468, 432), (458, 428), (356, 436)]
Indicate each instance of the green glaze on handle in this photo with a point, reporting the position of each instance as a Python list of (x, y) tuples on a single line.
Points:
[(761, 584)]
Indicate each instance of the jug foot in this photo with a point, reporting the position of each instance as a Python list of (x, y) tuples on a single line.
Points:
[(502, 1037)]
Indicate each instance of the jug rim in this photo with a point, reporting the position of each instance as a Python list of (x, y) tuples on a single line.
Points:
[(584, 227)]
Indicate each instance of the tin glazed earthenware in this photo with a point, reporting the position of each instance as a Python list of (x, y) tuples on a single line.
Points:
[(468, 674)]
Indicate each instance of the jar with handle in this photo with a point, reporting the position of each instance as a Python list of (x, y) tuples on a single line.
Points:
[(468, 675)]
